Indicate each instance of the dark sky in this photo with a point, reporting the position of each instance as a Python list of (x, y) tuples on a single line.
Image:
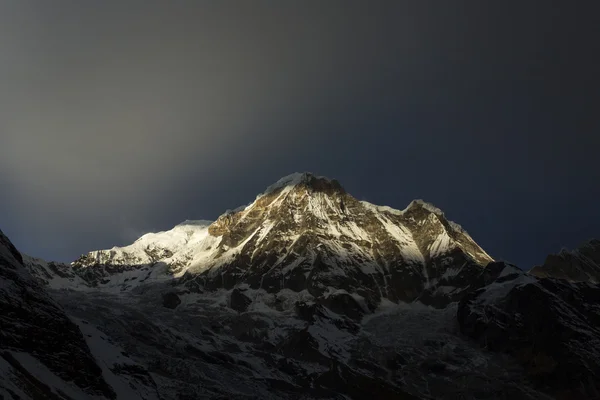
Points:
[(122, 117)]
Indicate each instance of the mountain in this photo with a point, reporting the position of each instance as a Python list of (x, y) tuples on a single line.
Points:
[(579, 265), (303, 233), (308, 293)]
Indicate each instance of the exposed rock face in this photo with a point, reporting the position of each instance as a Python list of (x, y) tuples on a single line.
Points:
[(238, 300), (343, 303), (455, 284), (33, 325), (579, 265), (551, 327), (52, 273), (171, 300)]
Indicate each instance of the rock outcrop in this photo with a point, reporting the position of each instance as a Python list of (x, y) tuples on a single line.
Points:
[(550, 326), (579, 265), (34, 329)]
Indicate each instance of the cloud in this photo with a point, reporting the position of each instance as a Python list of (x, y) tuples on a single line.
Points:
[(107, 109)]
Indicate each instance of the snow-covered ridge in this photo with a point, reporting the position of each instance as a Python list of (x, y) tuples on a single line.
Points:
[(428, 206), (55, 275), (182, 232), (307, 219), (424, 204), (417, 202), (153, 258)]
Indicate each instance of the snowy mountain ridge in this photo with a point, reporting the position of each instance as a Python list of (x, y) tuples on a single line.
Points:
[(305, 292), (303, 232)]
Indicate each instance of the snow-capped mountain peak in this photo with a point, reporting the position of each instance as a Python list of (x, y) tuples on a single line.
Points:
[(303, 179), (304, 232)]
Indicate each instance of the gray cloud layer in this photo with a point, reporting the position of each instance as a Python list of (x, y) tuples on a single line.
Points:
[(117, 117), (104, 104)]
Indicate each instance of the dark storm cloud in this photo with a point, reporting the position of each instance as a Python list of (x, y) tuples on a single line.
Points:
[(119, 117)]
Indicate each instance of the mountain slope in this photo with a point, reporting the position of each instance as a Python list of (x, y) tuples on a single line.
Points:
[(42, 351), (309, 293), (53, 274), (548, 325)]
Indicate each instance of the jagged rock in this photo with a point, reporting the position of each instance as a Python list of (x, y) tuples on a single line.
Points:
[(550, 327), (308, 310), (32, 323), (238, 300), (171, 300), (433, 365), (458, 283), (343, 304), (343, 379), (303, 346), (250, 328), (395, 361), (579, 265)]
